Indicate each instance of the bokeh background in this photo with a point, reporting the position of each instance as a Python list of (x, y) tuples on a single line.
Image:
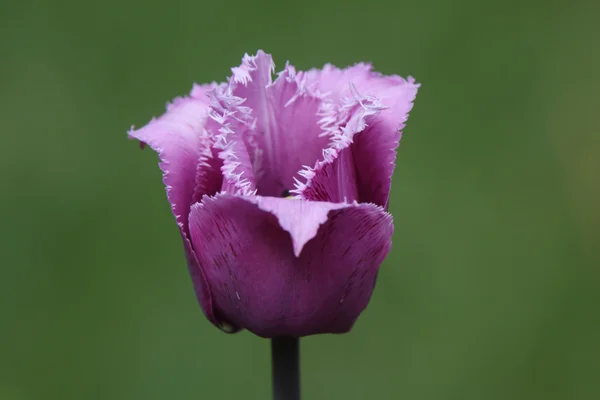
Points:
[(492, 290)]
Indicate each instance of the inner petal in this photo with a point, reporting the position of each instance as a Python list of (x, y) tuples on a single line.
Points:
[(338, 83), (371, 135), (334, 179), (285, 134), (229, 120)]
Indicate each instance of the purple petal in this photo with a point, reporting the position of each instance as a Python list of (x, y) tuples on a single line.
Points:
[(333, 181), (286, 133), (334, 178), (374, 149), (246, 247), (366, 130), (179, 138)]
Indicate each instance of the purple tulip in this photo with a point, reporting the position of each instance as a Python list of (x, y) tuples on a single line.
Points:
[(280, 189)]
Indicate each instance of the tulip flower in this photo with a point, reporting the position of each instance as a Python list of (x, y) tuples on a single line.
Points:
[(280, 187)]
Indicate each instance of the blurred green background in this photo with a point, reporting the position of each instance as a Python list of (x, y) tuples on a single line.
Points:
[(492, 290)]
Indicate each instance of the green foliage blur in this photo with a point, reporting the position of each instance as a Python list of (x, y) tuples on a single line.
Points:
[(492, 290)]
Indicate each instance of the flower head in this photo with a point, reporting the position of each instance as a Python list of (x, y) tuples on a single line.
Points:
[(280, 188)]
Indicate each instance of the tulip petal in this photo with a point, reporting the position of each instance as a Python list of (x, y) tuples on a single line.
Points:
[(336, 83), (366, 137), (374, 149), (334, 178), (208, 181), (177, 136), (189, 167), (246, 247), (229, 122), (286, 132)]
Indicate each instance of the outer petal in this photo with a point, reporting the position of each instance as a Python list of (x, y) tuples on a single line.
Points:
[(189, 169), (178, 137), (246, 246), (286, 132)]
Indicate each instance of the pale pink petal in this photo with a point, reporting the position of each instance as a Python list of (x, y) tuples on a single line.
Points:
[(286, 133), (177, 138), (229, 122), (338, 84), (183, 146), (209, 178), (246, 247)]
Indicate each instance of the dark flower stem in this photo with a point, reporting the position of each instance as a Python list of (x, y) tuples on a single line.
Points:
[(286, 368)]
